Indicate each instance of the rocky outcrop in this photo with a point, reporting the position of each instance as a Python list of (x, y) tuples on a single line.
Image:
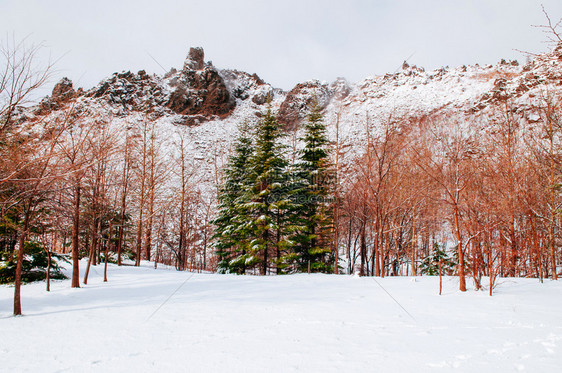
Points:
[(128, 92), (301, 100), (195, 59), (340, 89), (513, 83), (197, 92), (245, 86), (63, 92), (200, 92)]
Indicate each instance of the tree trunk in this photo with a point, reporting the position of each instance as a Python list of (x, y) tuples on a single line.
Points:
[(414, 248), (148, 234), (94, 240), (374, 254), (348, 248), (440, 275), (336, 199), (492, 277), (75, 237), (19, 264), (462, 279), (90, 258), (513, 247), (552, 248), (106, 254), (363, 250), (48, 271), (148, 229), (142, 196), (265, 258), (277, 249), (536, 249), (125, 185), (552, 199), (120, 240), (139, 238)]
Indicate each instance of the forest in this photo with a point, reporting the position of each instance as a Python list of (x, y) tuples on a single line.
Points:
[(452, 194)]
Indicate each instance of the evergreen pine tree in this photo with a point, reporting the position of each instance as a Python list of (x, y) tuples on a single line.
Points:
[(230, 236), (286, 208), (430, 265), (314, 215), (267, 196)]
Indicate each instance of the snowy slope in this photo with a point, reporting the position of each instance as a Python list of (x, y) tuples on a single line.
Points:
[(148, 320), (411, 92), (127, 100)]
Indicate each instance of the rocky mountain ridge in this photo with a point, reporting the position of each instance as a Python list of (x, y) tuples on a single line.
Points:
[(207, 104), (199, 92)]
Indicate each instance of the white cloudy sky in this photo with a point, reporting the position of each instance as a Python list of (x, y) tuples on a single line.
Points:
[(284, 42)]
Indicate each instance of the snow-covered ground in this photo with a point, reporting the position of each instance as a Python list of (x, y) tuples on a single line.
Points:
[(146, 320)]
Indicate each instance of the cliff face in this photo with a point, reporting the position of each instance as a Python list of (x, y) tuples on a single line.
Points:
[(207, 104), (197, 93), (200, 93)]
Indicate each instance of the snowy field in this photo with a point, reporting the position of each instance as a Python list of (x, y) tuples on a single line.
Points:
[(147, 320)]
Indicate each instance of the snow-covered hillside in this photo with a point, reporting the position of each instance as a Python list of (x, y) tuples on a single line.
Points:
[(198, 108), (207, 104), (148, 320)]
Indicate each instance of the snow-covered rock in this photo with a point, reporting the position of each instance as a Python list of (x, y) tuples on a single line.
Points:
[(208, 104)]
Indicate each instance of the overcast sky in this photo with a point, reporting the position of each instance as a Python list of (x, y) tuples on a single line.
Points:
[(284, 42)]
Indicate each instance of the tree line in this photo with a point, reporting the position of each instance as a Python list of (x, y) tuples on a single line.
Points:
[(484, 188), (448, 193)]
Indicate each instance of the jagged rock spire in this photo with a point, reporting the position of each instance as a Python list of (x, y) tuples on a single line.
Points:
[(195, 59), (63, 90)]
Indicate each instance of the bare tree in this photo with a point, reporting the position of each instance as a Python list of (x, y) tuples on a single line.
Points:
[(102, 146), (551, 28), (31, 187), (27, 153), (125, 182), (75, 157), (547, 143), (21, 75), (184, 196), (448, 163)]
